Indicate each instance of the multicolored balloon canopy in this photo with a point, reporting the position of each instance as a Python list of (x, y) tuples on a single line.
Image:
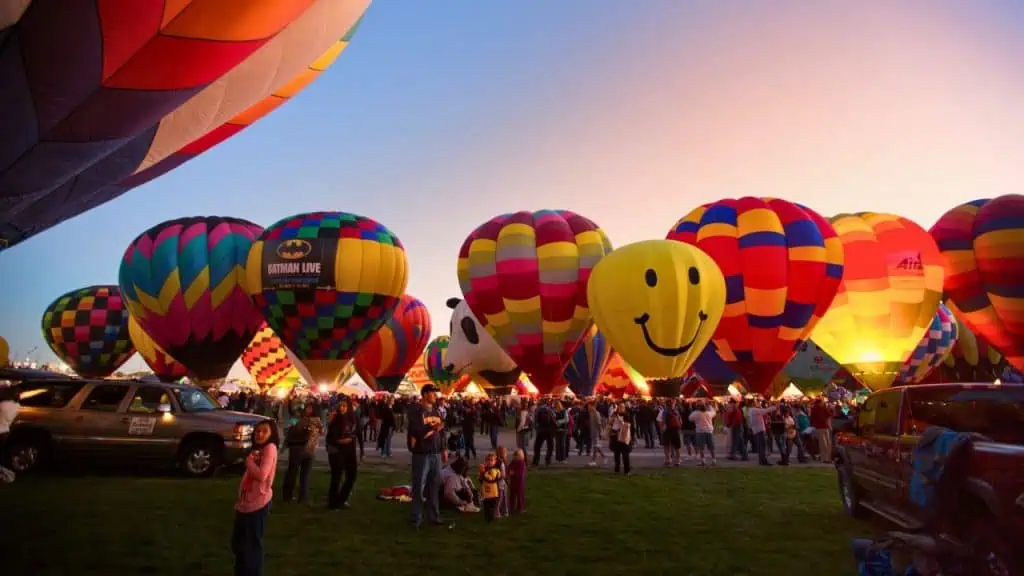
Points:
[(936, 344), (161, 363), (181, 281), (710, 368), (588, 363), (435, 365), (266, 359), (385, 358), (620, 379), (811, 369), (972, 359), (325, 283), (782, 265), (984, 261), (88, 329), (524, 276), (890, 291)]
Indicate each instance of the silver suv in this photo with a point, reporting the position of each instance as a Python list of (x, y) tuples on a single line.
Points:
[(124, 421)]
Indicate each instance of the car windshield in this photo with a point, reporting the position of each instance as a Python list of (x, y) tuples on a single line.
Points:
[(195, 400)]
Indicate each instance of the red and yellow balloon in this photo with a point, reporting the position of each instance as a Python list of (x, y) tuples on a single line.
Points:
[(385, 358)]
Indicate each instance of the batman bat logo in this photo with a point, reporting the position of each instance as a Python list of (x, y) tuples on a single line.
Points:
[(294, 249)]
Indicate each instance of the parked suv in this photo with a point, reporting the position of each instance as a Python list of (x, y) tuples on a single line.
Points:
[(124, 421), (873, 462)]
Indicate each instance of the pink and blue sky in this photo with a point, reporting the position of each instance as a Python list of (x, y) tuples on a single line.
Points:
[(444, 113)]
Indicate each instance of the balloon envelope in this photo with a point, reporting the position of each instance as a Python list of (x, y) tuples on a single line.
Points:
[(88, 329), (811, 368), (984, 261), (588, 363), (5, 352), (266, 359), (933, 348), (782, 265), (161, 363), (972, 359), (325, 282), (891, 288), (435, 365), (385, 358), (524, 276), (620, 379), (658, 303), (182, 282)]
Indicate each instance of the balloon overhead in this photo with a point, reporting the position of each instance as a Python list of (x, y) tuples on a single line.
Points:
[(658, 303), (266, 359), (984, 261), (782, 265), (89, 78), (388, 354), (588, 363), (524, 276), (936, 344), (166, 368), (88, 329), (181, 281), (890, 291), (811, 368), (972, 359), (325, 282)]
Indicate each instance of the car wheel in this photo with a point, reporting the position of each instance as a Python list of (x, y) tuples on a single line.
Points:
[(200, 458), (26, 454), (848, 493)]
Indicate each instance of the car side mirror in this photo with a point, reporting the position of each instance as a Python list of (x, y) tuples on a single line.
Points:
[(164, 408)]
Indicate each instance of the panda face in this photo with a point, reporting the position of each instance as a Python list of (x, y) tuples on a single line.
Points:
[(471, 348)]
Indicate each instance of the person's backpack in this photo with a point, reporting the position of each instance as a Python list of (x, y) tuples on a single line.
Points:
[(298, 434), (674, 421)]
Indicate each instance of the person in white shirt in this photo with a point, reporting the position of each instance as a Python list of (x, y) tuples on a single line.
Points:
[(8, 412), (704, 419), (524, 424), (755, 418)]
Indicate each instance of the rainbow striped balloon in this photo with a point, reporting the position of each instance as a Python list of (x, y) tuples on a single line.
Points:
[(524, 276), (385, 358), (435, 362), (937, 343), (181, 280), (782, 264), (983, 247), (588, 363), (166, 368)]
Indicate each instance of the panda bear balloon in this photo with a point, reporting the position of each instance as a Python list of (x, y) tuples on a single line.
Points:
[(472, 350)]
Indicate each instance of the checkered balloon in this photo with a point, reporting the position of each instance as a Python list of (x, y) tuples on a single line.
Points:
[(933, 348), (88, 329), (326, 281), (266, 358)]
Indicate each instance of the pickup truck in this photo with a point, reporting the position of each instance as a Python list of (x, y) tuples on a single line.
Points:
[(873, 460), (123, 421)]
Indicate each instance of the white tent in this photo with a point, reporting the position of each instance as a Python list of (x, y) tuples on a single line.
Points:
[(355, 387), (792, 392)]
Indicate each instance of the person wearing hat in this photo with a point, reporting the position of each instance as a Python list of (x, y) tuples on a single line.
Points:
[(427, 444)]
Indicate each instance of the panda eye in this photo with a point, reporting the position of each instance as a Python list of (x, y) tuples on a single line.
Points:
[(694, 276), (651, 277), (469, 329)]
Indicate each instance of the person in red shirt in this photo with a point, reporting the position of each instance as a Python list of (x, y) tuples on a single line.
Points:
[(821, 421)]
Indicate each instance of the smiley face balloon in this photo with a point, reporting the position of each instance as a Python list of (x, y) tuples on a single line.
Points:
[(658, 302)]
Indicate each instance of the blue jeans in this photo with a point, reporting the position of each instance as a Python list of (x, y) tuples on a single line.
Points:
[(384, 441), (739, 443), (494, 436), (760, 443), (426, 481), (247, 541)]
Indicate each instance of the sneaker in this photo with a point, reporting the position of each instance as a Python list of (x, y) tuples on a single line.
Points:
[(714, 462)]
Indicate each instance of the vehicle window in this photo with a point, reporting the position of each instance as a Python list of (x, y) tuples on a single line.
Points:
[(195, 400), (147, 400), (47, 394), (880, 414), (994, 412), (105, 398)]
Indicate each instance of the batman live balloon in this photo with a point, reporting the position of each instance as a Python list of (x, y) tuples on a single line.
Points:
[(160, 362), (782, 265), (181, 281), (524, 276), (88, 329), (385, 358), (984, 261), (890, 292), (326, 282), (92, 87)]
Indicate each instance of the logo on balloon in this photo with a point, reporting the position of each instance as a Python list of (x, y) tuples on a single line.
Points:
[(906, 264), (294, 249)]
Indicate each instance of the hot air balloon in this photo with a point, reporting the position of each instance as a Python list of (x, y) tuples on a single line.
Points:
[(984, 263), (890, 291), (263, 82), (181, 281), (325, 282), (5, 352), (972, 359), (418, 376), (588, 363), (435, 365), (620, 379), (524, 276), (657, 302), (88, 329), (933, 348), (166, 368), (710, 368), (266, 359), (782, 266), (385, 358), (811, 368), (695, 387), (88, 78)]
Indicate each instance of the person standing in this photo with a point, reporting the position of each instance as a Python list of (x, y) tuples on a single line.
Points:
[(821, 421), (755, 418), (734, 420), (546, 428), (9, 407), (671, 422), (387, 427), (620, 435), (469, 419), (302, 439), (524, 425), (561, 432), (254, 499), (342, 439), (427, 445)]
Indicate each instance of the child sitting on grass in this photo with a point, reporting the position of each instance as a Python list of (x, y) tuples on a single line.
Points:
[(490, 477), (517, 483)]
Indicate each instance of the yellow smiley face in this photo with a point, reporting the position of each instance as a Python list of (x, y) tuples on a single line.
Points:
[(658, 302)]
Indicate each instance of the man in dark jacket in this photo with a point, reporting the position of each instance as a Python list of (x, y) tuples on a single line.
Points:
[(427, 444), (546, 429)]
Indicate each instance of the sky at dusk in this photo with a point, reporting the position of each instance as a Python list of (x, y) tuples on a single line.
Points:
[(444, 113)]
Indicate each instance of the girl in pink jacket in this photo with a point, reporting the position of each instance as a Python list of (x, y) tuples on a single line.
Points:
[(253, 504)]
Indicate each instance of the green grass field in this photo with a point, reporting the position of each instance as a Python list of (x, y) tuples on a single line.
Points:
[(690, 521)]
